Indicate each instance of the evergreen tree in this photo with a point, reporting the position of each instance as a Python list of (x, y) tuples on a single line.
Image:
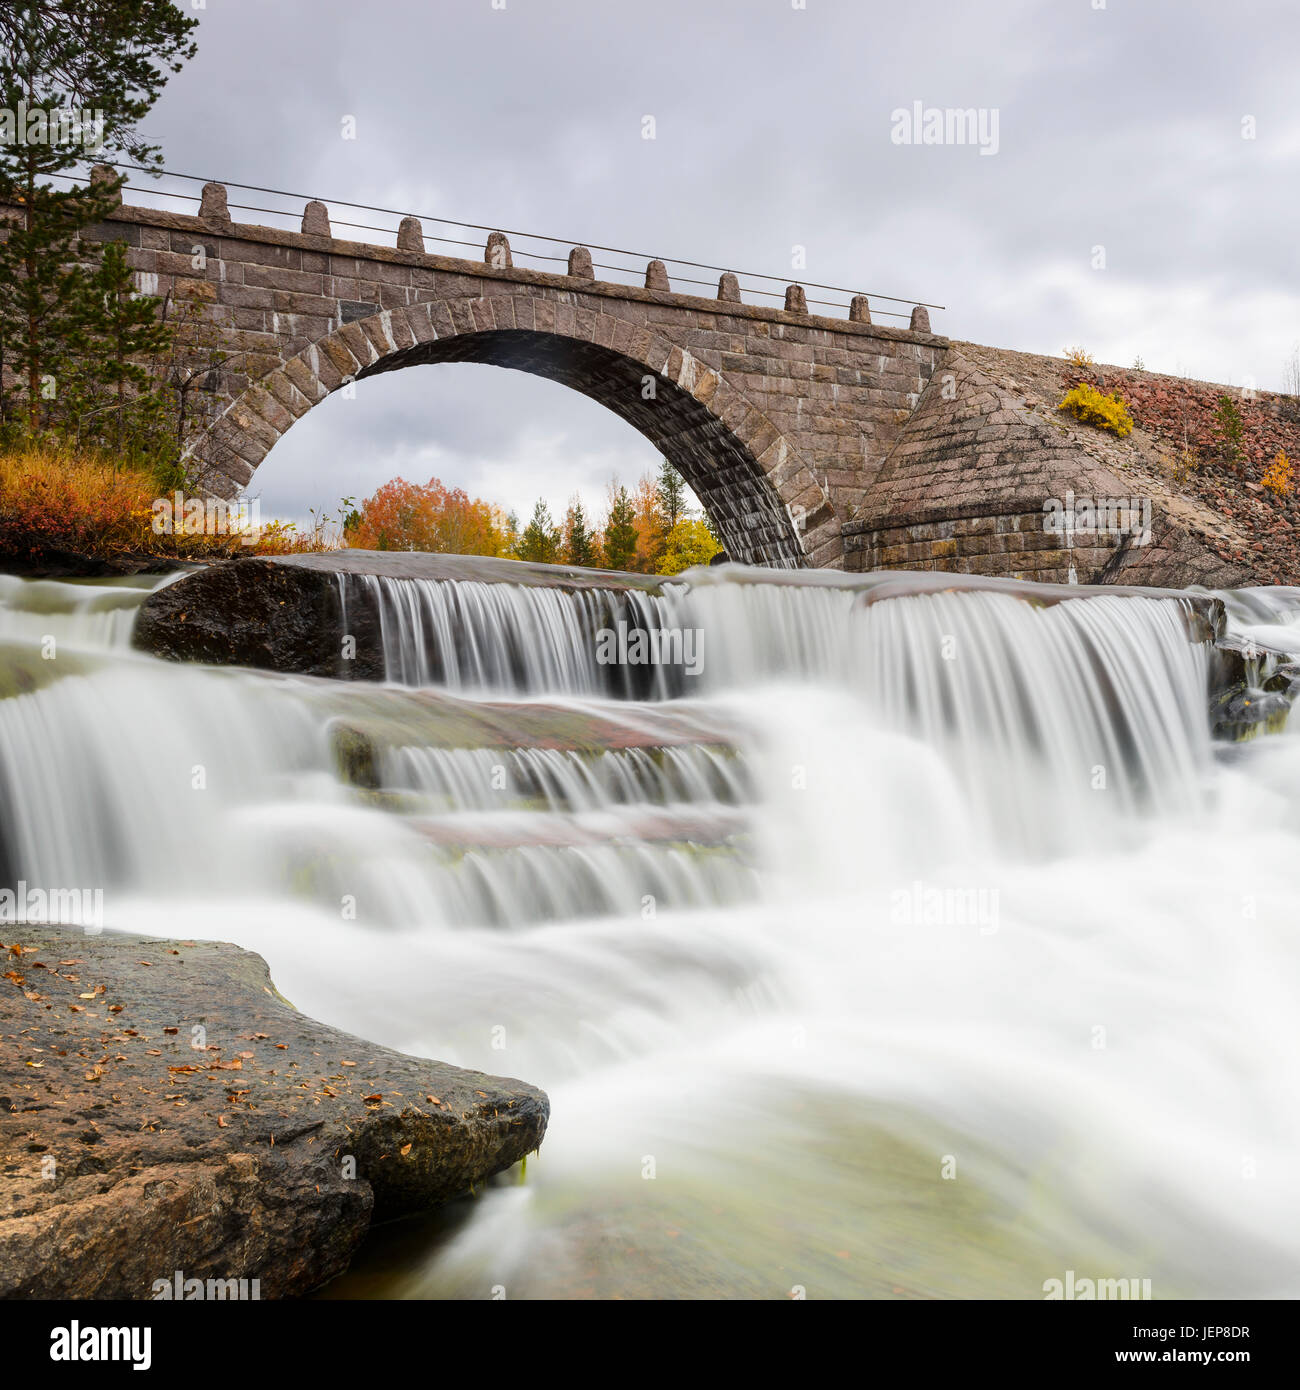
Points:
[(116, 405), (579, 541), (108, 56), (540, 541), (76, 78), (673, 494), (620, 530)]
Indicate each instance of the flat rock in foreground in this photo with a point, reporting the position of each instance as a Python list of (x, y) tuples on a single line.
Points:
[(163, 1109)]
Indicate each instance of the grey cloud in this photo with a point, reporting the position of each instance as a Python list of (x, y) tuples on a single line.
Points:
[(1118, 127)]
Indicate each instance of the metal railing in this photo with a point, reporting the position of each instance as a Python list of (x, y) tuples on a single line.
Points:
[(633, 273)]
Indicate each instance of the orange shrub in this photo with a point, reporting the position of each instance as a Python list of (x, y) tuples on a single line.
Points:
[(404, 516), (53, 498)]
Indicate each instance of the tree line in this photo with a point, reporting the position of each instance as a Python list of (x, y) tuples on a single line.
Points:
[(652, 529)]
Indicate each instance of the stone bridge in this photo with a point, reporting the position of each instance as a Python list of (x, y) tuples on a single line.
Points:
[(836, 443), (776, 418)]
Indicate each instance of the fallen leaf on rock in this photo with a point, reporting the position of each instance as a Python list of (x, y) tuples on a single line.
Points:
[(405, 1149), (221, 1120), (372, 1100)]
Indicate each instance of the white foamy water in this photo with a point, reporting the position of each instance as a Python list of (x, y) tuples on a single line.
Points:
[(932, 948)]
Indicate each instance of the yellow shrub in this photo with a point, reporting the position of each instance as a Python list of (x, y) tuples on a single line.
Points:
[(1278, 477), (1090, 407), (1078, 357)]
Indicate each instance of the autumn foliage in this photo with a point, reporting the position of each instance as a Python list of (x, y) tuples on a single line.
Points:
[(1277, 478), (432, 517), (56, 499)]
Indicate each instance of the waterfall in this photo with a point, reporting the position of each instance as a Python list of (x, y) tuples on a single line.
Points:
[(504, 637), (831, 887)]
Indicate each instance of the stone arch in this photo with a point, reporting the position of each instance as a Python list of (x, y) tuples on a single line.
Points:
[(766, 503)]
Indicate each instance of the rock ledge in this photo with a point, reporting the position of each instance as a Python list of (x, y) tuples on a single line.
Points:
[(163, 1109)]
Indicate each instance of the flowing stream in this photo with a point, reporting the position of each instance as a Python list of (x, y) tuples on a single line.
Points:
[(917, 946)]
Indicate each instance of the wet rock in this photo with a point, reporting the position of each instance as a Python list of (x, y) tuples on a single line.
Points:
[(261, 613), (40, 561), (1285, 680), (162, 1108), (362, 733), (1242, 712)]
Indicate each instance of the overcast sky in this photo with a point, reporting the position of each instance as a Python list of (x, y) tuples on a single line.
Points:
[(1121, 127)]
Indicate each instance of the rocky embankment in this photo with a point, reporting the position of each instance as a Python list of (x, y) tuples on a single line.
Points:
[(1218, 521), (164, 1109)]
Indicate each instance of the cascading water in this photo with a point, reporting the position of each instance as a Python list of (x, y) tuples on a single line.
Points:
[(919, 945)]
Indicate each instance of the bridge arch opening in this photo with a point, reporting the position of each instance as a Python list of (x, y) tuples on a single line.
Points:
[(730, 484), (762, 500)]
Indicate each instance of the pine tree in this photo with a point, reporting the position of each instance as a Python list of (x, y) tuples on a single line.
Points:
[(620, 530), (673, 494), (118, 330), (541, 539), (579, 542), (76, 78)]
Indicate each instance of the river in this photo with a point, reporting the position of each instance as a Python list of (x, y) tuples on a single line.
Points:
[(923, 947)]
